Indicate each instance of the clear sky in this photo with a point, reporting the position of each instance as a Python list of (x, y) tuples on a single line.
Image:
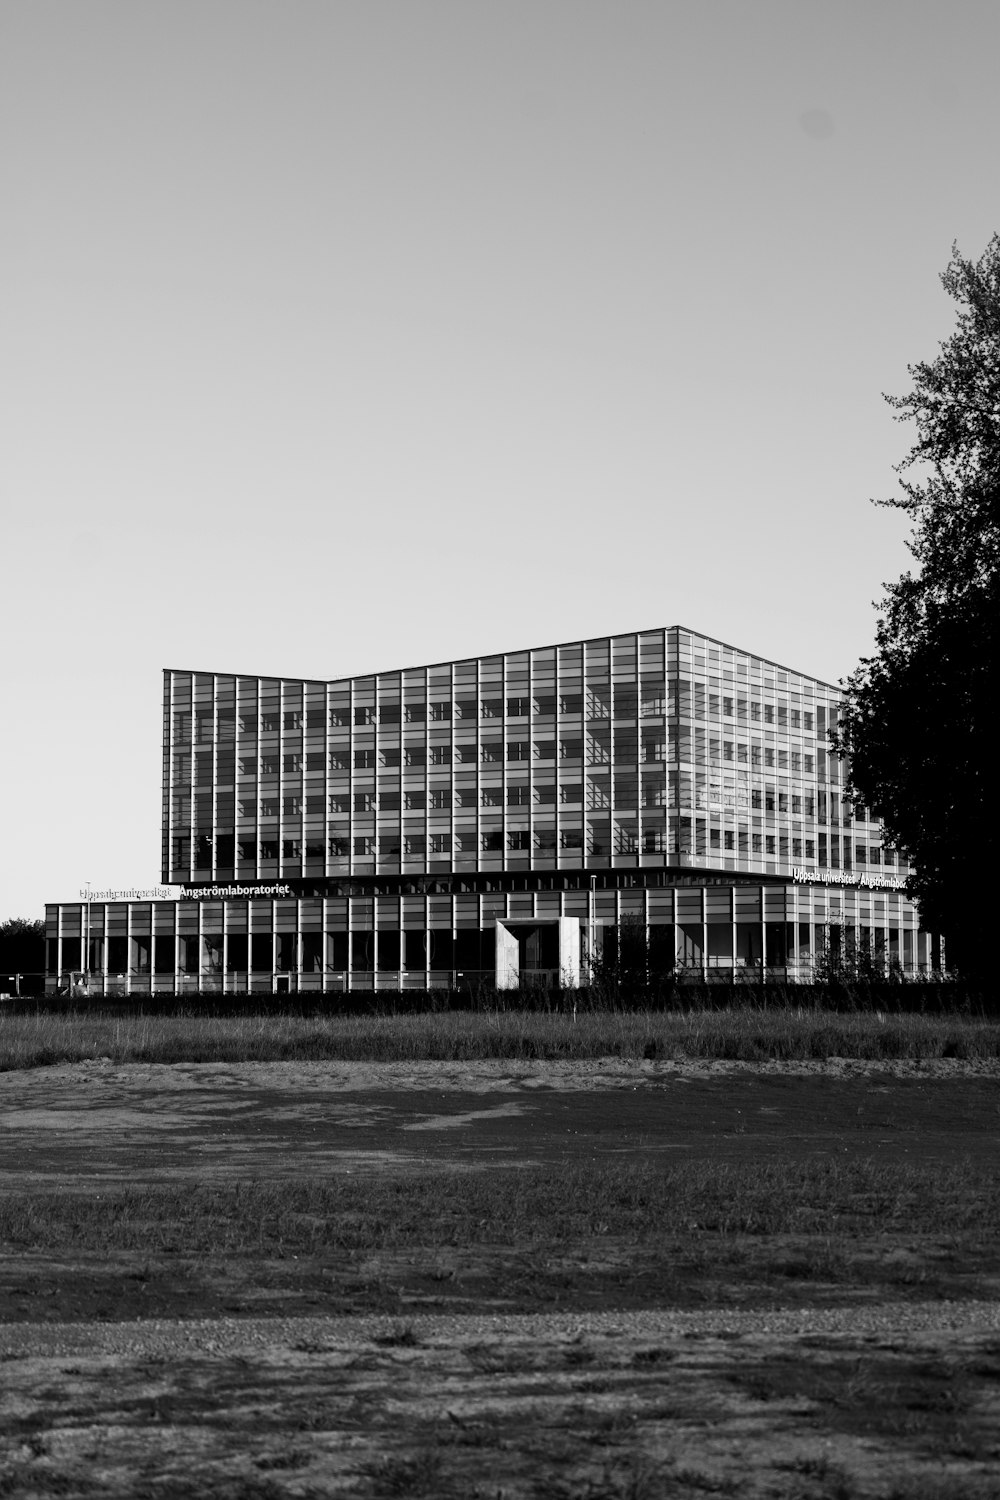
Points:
[(336, 337)]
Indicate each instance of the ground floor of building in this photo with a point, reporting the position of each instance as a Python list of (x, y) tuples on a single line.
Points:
[(373, 937)]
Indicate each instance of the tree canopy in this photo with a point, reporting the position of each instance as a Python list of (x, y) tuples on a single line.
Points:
[(920, 716), (22, 946)]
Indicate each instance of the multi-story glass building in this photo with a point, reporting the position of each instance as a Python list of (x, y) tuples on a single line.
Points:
[(495, 817)]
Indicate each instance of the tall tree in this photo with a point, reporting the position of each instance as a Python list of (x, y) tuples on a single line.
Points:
[(920, 718)]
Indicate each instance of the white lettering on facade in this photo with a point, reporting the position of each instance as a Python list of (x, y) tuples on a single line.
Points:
[(131, 893), (875, 882)]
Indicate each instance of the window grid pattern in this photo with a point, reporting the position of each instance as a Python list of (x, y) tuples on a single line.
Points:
[(662, 749)]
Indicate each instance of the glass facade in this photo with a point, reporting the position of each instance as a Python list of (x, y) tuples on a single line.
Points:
[(663, 776)]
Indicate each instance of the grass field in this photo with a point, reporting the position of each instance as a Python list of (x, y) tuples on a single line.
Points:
[(742, 1034), (817, 1328)]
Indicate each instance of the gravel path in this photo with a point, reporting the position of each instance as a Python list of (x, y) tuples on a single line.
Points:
[(226, 1337)]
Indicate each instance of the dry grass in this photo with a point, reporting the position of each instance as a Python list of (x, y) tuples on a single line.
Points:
[(741, 1034)]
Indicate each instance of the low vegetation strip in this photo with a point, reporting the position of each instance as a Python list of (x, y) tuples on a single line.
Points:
[(510, 1206), (588, 1238), (741, 1034)]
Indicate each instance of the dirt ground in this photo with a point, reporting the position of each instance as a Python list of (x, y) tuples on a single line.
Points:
[(487, 1372)]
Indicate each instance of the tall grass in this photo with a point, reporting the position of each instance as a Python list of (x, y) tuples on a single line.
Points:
[(741, 1034)]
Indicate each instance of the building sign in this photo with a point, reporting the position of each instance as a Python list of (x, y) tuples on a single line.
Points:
[(131, 893), (875, 882), (91, 895), (217, 892)]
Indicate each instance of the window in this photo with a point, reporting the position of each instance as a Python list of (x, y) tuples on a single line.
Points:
[(388, 713), (269, 849), (757, 843), (364, 802), (519, 750), (466, 796), (388, 756), (291, 763), (769, 843), (782, 802), (796, 848), (571, 838), (810, 848), (269, 765), (364, 847), (755, 755), (518, 708), (364, 714), (339, 716), (571, 703), (741, 754), (291, 806), (570, 749), (439, 797), (491, 708), (544, 706), (492, 796), (415, 713), (415, 755), (713, 838), (808, 721), (440, 711), (755, 798), (518, 796), (544, 750), (768, 713), (518, 839), (291, 849), (491, 842), (340, 804), (414, 844), (808, 765), (465, 708), (491, 750), (269, 807), (414, 801), (727, 708), (571, 793), (388, 801), (755, 712), (769, 799), (768, 756), (269, 723), (727, 750), (440, 755), (728, 839), (293, 718), (364, 760), (340, 760), (440, 843)]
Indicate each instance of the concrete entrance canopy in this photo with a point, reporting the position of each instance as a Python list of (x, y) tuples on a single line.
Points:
[(513, 964)]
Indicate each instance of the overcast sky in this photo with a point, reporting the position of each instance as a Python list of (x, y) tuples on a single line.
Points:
[(336, 337)]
